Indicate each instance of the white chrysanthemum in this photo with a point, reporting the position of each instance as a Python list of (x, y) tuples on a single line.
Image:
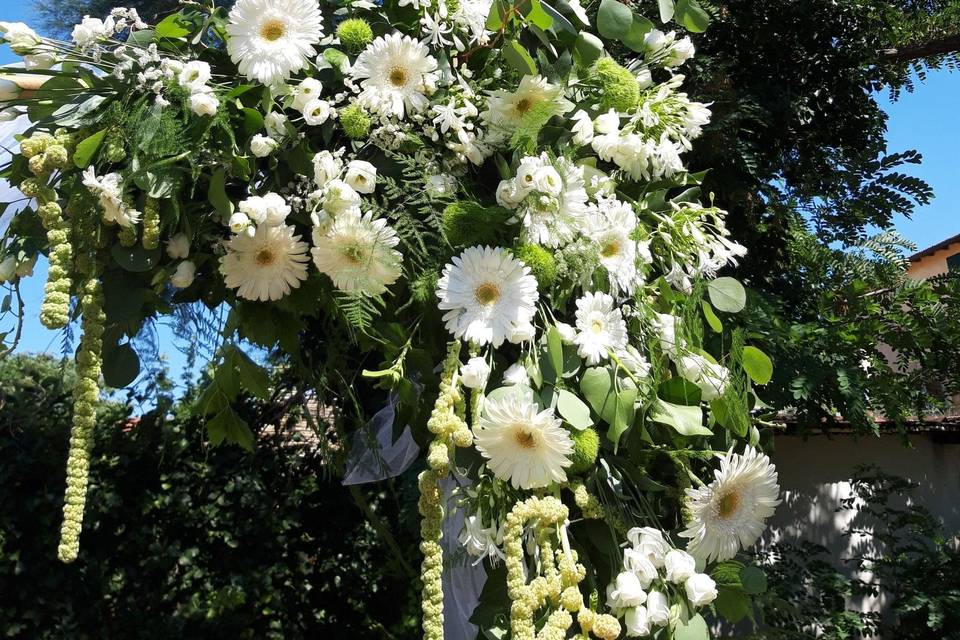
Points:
[(487, 294), (270, 39), (109, 192), (730, 513), (552, 213), (396, 74), (358, 254), (525, 446), (609, 225), (505, 109), (265, 265), (600, 327)]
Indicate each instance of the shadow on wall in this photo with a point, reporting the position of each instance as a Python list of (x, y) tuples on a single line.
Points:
[(815, 477)]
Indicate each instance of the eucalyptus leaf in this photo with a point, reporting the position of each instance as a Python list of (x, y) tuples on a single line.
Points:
[(667, 9), (519, 58), (86, 148), (757, 364), (614, 19), (573, 410), (587, 49), (121, 365), (693, 629), (596, 385), (727, 294), (685, 420), (711, 317)]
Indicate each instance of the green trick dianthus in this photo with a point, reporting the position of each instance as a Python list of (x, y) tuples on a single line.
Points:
[(542, 264), (618, 87), (355, 122), (469, 223), (586, 445), (355, 34)]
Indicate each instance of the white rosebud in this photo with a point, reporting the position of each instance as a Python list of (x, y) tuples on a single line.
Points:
[(522, 333), (474, 373), (680, 52), (362, 176), (640, 565), (649, 542), (9, 90), (275, 209), (275, 123), (637, 622), (658, 609), (194, 75), (567, 333), (508, 195), (655, 40), (548, 181), (41, 60), (340, 197), (679, 565), (183, 276), (21, 38), (626, 591), (178, 246), (326, 167), (8, 269), (516, 374), (90, 30), (203, 104), (316, 112), (701, 589), (306, 91), (262, 146), (609, 122), (239, 221)]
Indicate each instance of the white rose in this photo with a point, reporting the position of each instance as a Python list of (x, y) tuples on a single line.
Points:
[(655, 40), (275, 209), (658, 609), (316, 112), (21, 38), (204, 104), (474, 374), (522, 333), (640, 565), (701, 589), (340, 197), (275, 123), (183, 276), (516, 374), (637, 622), (713, 381), (666, 326), (262, 146), (41, 60), (194, 75), (326, 167), (679, 565), (548, 181), (649, 542), (362, 176), (8, 268), (306, 91), (508, 195), (178, 246), (238, 221), (625, 591), (609, 122), (567, 332)]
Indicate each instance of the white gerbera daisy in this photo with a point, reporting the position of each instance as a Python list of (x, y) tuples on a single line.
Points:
[(609, 225), (524, 445), (600, 327), (487, 294), (397, 74), (265, 265), (270, 39), (505, 109), (730, 513), (358, 254)]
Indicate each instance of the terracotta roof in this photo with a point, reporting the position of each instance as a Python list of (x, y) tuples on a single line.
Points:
[(943, 244)]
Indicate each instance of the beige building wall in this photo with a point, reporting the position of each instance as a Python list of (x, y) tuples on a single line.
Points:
[(933, 261)]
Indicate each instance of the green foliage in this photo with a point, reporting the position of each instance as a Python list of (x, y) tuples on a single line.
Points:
[(225, 544), (586, 444)]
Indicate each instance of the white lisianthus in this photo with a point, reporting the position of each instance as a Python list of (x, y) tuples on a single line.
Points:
[(276, 125), (262, 146), (681, 51), (637, 621), (340, 197), (701, 589), (194, 75), (184, 275), (203, 103), (658, 609), (626, 591), (362, 176), (474, 373), (567, 333), (326, 167), (309, 89), (21, 38), (178, 246), (316, 112), (509, 195), (712, 378), (516, 374), (548, 181), (90, 30), (679, 565)]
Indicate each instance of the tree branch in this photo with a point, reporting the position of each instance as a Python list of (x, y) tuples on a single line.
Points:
[(937, 47)]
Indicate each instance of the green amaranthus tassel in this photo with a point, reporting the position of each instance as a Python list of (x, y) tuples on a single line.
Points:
[(55, 309), (127, 236), (151, 224)]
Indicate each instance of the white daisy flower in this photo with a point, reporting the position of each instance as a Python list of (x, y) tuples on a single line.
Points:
[(505, 109), (487, 294), (358, 254), (266, 265), (731, 512), (525, 446), (270, 39), (600, 327), (396, 73), (609, 225)]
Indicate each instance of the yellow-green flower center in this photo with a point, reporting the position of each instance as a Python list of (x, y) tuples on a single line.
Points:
[(729, 504), (273, 30), (487, 293)]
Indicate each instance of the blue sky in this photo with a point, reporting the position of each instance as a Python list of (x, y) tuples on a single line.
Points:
[(924, 120)]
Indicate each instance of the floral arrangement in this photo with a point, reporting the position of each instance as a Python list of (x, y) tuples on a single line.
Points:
[(489, 198)]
